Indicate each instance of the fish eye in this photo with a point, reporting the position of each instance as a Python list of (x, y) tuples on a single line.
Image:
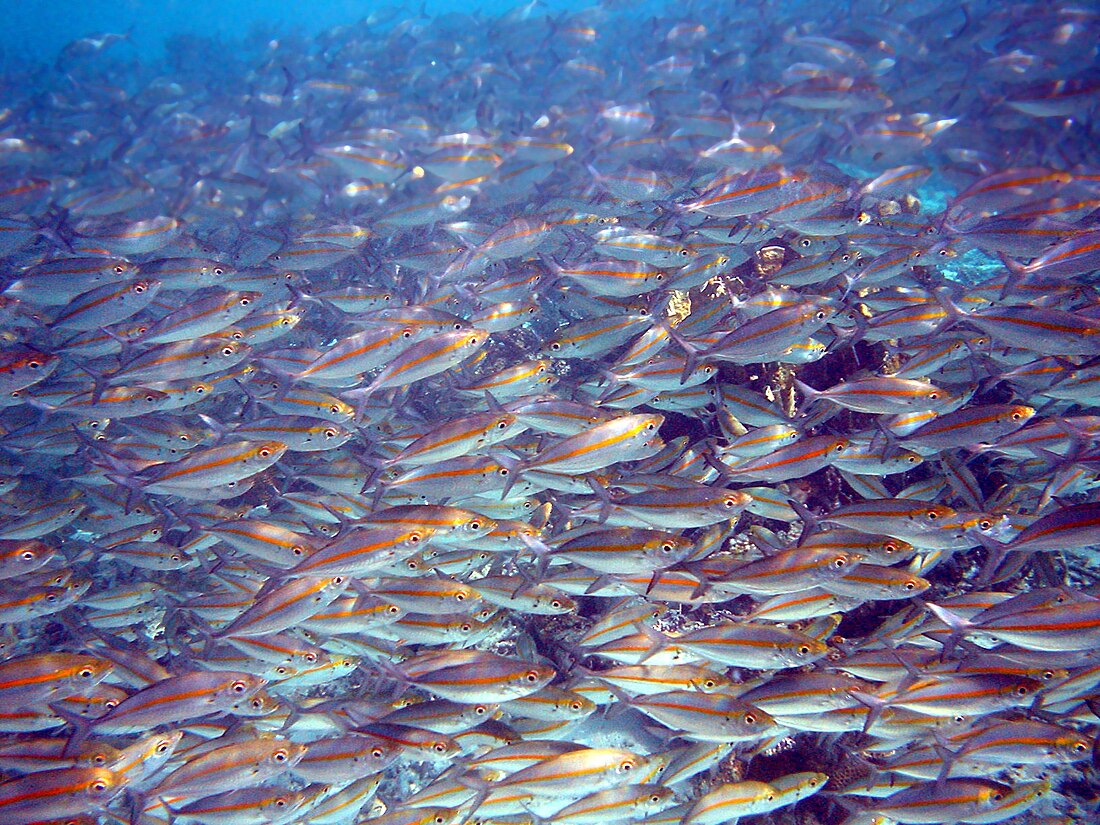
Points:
[(805, 243), (729, 502), (555, 346), (439, 747), (910, 586), (1022, 690), (119, 269), (804, 650), (238, 687), (162, 747), (531, 676), (1080, 747), (99, 786), (626, 765), (932, 515), (34, 364), (668, 547), (27, 555), (331, 433), (840, 561), (280, 802), (685, 252), (414, 538), (475, 525), (503, 471), (245, 301), (337, 579), (460, 596), (280, 755), (227, 351), (264, 452), (218, 271), (86, 673), (1016, 416), (377, 753), (1048, 674), (650, 427), (473, 340), (139, 288), (820, 315)]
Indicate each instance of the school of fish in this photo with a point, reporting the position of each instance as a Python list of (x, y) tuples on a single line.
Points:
[(685, 417)]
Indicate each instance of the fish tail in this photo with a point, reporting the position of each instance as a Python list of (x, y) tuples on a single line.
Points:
[(959, 626), (875, 707), (810, 394), (81, 728), (691, 354), (810, 522), (1017, 272)]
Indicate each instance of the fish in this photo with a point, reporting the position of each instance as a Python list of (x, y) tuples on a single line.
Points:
[(531, 416), (57, 793)]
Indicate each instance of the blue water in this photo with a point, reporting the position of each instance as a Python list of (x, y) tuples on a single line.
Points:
[(34, 31)]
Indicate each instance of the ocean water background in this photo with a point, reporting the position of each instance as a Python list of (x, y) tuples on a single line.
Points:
[(35, 31)]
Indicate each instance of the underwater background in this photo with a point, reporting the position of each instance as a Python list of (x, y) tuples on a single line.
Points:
[(37, 32), (565, 413)]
